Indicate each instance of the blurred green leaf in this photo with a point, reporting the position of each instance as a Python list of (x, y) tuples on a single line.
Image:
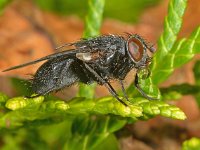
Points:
[(3, 98), (3, 3), (196, 71), (58, 135), (22, 87), (64, 7), (93, 22), (18, 140), (128, 11), (89, 134), (192, 144), (177, 91), (110, 143)]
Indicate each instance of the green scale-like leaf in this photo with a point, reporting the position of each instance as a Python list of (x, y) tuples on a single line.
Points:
[(32, 109), (92, 27), (171, 53), (164, 55), (182, 51)]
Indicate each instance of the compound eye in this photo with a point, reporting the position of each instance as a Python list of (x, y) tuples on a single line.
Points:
[(135, 49)]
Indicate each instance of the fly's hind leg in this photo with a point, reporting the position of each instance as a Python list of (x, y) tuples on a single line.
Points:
[(38, 95), (114, 93), (35, 96), (107, 84)]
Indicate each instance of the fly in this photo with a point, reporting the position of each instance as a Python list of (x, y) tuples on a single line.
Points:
[(98, 59)]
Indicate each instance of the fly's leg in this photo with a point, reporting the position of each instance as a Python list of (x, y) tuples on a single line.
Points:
[(41, 94), (114, 93), (107, 84), (123, 90), (136, 82), (35, 96)]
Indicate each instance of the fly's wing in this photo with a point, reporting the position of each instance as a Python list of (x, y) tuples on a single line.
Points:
[(67, 52), (93, 47)]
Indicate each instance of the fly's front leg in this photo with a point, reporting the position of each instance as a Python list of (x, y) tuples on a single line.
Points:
[(136, 82), (107, 84)]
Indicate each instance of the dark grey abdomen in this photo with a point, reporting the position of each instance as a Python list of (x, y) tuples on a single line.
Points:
[(54, 75)]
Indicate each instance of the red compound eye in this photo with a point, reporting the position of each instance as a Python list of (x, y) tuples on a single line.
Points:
[(135, 49)]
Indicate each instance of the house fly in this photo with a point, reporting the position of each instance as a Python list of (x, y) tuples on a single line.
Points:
[(98, 59)]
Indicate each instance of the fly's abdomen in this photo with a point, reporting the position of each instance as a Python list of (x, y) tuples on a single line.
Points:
[(54, 75)]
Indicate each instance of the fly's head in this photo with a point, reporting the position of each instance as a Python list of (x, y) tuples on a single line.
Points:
[(140, 53)]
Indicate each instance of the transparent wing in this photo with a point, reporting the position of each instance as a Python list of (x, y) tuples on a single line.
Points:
[(84, 47), (67, 52)]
